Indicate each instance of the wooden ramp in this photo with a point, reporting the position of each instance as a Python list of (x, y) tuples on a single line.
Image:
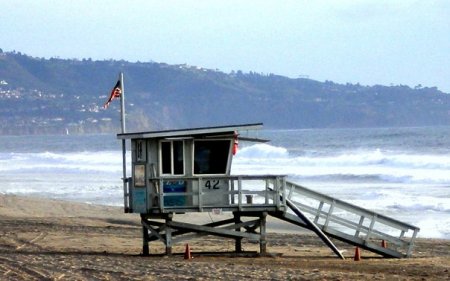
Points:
[(348, 223)]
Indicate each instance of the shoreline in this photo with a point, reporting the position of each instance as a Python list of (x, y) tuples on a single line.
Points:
[(62, 240), (274, 224)]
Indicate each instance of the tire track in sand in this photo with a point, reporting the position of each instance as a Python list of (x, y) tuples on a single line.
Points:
[(10, 269), (32, 242)]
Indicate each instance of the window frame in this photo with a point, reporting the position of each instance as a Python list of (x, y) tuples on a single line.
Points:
[(228, 156), (172, 164)]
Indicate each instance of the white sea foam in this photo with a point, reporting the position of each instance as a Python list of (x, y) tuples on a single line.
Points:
[(357, 165), (263, 151), (408, 186), (93, 177), (434, 227), (104, 161)]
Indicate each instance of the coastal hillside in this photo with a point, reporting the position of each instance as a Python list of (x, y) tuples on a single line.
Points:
[(56, 96)]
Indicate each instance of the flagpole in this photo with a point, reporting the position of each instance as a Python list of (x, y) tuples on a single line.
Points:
[(124, 150), (122, 103)]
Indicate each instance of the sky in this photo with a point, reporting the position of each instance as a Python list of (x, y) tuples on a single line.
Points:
[(386, 42)]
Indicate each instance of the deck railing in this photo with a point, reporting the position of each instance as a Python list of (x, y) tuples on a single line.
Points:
[(240, 193)]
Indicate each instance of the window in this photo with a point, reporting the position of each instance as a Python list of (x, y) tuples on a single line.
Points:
[(140, 150), (211, 157), (166, 159), (172, 157)]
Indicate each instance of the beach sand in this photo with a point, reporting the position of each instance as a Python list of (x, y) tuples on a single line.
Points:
[(44, 239)]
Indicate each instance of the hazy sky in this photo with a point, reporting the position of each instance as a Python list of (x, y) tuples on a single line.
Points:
[(370, 42)]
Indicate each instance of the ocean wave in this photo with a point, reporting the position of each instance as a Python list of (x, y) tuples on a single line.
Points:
[(422, 207), (350, 178), (263, 151), (375, 157), (371, 165), (102, 161)]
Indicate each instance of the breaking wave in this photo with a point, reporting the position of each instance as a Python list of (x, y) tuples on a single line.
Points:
[(364, 165)]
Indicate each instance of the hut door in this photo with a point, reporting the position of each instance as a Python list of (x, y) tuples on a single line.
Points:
[(172, 164)]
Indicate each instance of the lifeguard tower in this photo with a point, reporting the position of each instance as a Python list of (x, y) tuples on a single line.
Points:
[(186, 171)]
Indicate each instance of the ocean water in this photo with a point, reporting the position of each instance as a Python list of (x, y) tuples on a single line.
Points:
[(400, 172)]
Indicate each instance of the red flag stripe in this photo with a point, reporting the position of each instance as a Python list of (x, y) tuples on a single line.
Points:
[(115, 93)]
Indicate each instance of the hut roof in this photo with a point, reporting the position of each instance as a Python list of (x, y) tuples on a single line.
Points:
[(191, 132)]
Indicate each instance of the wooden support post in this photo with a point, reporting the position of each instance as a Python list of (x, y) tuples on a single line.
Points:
[(262, 239), (238, 240), (168, 237), (145, 239)]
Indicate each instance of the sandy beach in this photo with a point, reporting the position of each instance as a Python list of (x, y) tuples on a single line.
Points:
[(44, 239)]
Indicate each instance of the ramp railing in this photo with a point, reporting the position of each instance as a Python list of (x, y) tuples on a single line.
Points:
[(353, 224)]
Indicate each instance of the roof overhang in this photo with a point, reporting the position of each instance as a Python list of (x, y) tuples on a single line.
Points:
[(191, 132)]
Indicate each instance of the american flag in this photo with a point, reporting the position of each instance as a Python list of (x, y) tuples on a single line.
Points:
[(115, 93)]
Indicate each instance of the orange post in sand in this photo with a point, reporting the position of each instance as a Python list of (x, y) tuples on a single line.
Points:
[(187, 253), (357, 254), (384, 244)]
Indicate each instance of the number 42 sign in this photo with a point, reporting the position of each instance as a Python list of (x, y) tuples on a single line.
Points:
[(212, 184)]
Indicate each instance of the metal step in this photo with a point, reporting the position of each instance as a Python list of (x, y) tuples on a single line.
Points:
[(352, 224)]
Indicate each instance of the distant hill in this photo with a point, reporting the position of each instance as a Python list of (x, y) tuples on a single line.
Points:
[(47, 96)]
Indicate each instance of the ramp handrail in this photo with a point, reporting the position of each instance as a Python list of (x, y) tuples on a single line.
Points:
[(353, 223)]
